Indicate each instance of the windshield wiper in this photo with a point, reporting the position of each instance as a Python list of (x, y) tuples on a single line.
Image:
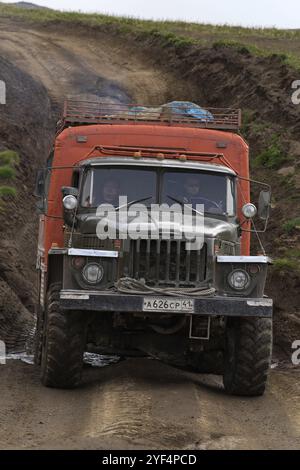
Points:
[(183, 204), (133, 202)]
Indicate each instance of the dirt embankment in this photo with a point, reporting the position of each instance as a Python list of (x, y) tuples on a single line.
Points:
[(25, 126)]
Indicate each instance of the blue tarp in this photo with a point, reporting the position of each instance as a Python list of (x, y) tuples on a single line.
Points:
[(188, 109), (176, 108)]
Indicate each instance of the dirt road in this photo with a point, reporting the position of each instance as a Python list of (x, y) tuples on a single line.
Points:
[(140, 403), (81, 63)]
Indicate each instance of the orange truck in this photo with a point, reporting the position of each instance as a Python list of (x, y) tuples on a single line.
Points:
[(187, 291)]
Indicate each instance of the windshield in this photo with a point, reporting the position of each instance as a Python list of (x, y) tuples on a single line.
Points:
[(106, 185), (215, 191)]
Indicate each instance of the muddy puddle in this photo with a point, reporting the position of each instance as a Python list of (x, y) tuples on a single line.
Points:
[(89, 359)]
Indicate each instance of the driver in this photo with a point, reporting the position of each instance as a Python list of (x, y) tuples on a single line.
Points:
[(191, 189), (107, 193), (110, 192), (193, 195)]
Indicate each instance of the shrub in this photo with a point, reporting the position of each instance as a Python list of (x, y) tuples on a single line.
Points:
[(7, 172), (272, 157), (291, 224), (286, 265), (9, 157), (7, 191), (8, 162), (238, 46)]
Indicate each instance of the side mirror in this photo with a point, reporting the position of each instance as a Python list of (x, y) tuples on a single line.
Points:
[(264, 203), (39, 190), (40, 205)]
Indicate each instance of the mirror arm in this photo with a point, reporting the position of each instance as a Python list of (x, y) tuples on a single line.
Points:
[(255, 181), (255, 231)]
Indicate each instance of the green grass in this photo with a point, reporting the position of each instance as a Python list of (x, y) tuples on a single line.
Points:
[(260, 127), (251, 125), (293, 253), (168, 38), (9, 157), (177, 33), (284, 265), (272, 156), (184, 27), (7, 191), (8, 162), (7, 172), (238, 46), (248, 48), (291, 224)]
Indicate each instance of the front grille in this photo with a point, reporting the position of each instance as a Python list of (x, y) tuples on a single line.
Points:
[(86, 241), (167, 263)]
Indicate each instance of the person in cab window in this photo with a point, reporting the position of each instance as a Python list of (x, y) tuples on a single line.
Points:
[(191, 190), (106, 193), (110, 193), (194, 194)]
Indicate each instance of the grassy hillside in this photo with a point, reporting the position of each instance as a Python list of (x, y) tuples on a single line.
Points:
[(258, 41)]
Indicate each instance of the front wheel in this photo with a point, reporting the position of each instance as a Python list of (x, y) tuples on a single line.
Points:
[(63, 344), (247, 355)]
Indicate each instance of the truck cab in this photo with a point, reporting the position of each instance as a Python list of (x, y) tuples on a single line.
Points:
[(144, 244)]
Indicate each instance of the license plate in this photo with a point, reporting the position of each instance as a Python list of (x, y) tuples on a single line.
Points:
[(158, 304)]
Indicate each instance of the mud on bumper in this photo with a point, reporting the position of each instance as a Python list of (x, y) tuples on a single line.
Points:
[(114, 302)]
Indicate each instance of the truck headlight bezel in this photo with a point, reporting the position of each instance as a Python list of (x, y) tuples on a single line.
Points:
[(249, 210), (90, 277), (239, 276), (70, 202)]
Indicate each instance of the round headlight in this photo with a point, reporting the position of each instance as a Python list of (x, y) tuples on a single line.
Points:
[(70, 202), (92, 273), (239, 279), (249, 210)]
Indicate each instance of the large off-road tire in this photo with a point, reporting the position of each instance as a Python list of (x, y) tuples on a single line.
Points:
[(247, 355), (63, 344)]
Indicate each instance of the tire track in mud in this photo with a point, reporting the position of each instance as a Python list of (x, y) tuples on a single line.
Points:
[(142, 403), (127, 408)]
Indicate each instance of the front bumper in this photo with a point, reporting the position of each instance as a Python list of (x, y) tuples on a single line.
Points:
[(115, 302)]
